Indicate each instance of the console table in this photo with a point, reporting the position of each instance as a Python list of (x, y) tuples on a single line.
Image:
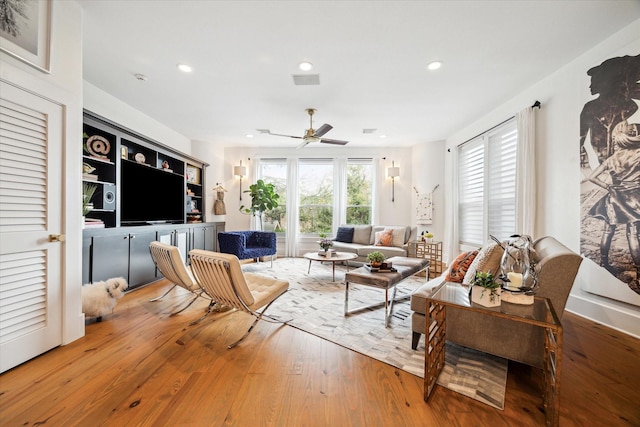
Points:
[(540, 313)]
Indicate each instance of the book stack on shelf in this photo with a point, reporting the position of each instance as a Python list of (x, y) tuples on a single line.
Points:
[(93, 223)]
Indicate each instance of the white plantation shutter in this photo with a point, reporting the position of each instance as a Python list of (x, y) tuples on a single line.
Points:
[(487, 186), (471, 191)]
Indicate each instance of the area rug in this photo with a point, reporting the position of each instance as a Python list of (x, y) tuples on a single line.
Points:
[(316, 304)]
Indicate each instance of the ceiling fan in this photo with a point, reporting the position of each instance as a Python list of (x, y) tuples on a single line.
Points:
[(311, 135)]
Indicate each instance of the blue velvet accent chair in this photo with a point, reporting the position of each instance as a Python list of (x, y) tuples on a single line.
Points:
[(248, 244)]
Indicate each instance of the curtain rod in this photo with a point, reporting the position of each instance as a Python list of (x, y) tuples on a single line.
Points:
[(536, 104)]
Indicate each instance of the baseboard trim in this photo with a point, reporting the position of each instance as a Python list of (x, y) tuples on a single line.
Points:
[(605, 313)]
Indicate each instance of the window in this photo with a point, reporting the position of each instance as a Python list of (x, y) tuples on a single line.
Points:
[(315, 190), (487, 185), (359, 191), (274, 171)]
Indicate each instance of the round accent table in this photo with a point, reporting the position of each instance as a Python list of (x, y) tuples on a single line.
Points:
[(335, 257)]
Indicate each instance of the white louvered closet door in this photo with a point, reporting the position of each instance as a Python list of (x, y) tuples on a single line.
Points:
[(30, 211)]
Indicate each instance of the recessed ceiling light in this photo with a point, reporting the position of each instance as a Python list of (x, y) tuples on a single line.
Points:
[(305, 66), (434, 65), (383, 136), (248, 135), (184, 67)]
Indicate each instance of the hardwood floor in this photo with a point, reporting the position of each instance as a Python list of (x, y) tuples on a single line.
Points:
[(141, 367)]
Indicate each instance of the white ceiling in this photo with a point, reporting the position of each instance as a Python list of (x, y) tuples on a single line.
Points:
[(371, 57)]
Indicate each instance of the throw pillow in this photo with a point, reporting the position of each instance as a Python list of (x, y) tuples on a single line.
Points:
[(488, 259), (460, 266), (344, 234), (361, 234), (384, 238), (398, 235)]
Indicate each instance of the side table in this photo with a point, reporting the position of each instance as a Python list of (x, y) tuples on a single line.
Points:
[(428, 250), (540, 313)]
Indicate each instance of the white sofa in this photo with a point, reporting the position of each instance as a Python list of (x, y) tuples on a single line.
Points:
[(363, 241)]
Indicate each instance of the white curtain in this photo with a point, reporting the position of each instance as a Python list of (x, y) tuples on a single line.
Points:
[(451, 207), (340, 196), (526, 175), (375, 190), (291, 241)]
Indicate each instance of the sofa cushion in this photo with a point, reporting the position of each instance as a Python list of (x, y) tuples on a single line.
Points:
[(488, 259), (344, 234), (460, 266), (384, 238), (362, 234), (346, 247)]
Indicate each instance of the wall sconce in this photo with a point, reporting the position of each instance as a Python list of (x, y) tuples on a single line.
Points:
[(393, 172), (240, 171)]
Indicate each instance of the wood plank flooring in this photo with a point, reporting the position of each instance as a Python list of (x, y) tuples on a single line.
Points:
[(140, 367)]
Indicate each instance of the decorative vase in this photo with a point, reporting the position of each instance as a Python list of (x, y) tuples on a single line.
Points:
[(484, 297)]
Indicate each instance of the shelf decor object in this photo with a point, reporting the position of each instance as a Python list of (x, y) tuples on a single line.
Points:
[(98, 146)]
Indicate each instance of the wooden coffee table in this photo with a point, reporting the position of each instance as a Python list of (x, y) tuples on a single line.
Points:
[(336, 257)]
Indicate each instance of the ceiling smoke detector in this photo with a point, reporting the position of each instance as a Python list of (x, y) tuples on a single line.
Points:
[(141, 77)]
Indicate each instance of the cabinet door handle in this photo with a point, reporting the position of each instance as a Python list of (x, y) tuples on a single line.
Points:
[(57, 237), (132, 236), (126, 237)]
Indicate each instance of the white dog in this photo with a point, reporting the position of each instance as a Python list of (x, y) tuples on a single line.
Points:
[(99, 298)]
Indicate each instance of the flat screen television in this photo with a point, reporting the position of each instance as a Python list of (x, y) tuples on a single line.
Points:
[(150, 195)]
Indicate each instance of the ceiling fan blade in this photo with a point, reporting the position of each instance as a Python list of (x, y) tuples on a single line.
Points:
[(303, 144), (322, 130), (288, 136), (333, 141)]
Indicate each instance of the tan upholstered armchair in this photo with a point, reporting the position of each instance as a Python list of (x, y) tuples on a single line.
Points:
[(558, 267)]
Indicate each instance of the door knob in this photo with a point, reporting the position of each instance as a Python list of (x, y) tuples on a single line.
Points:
[(57, 237)]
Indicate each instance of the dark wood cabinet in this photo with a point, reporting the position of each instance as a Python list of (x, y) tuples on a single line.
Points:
[(124, 251)]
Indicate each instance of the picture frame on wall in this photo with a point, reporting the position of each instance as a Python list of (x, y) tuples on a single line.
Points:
[(26, 32)]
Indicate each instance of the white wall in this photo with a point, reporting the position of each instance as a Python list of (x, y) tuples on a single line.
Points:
[(428, 172), (103, 104), (558, 214), (64, 87)]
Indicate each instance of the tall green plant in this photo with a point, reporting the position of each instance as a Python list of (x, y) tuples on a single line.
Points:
[(263, 198)]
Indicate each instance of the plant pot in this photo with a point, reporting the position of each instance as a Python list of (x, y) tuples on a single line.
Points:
[(376, 264), (483, 296)]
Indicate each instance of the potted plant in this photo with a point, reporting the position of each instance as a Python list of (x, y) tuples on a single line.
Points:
[(263, 198), (428, 237), (88, 190), (485, 290), (376, 258)]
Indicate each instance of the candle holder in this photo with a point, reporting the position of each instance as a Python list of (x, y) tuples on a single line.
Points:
[(518, 271)]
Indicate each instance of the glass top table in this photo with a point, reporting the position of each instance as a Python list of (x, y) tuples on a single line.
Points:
[(540, 313)]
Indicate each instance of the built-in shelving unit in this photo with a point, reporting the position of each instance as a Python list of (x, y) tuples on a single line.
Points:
[(145, 191), (139, 180)]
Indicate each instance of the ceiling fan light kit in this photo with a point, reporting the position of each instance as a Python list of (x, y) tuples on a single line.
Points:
[(311, 135)]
